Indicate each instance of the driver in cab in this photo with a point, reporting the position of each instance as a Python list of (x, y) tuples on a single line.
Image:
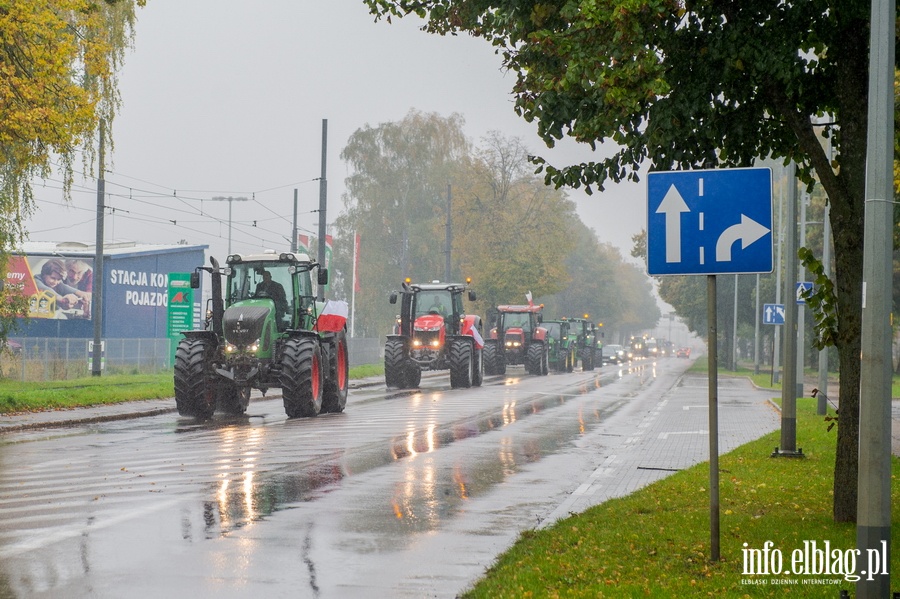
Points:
[(269, 288), (437, 306)]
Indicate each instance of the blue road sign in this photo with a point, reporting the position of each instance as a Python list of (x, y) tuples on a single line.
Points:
[(803, 287), (773, 313), (709, 222)]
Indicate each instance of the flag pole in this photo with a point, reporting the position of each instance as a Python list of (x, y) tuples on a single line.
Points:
[(353, 292)]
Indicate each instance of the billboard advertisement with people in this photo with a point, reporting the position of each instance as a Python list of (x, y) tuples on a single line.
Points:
[(56, 287)]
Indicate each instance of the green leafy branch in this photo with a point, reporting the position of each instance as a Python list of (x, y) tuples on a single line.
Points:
[(821, 299)]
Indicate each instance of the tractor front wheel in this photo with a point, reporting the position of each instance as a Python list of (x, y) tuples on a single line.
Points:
[(494, 357), (195, 381), (588, 361), (534, 358), (460, 363), (395, 363), (301, 377)]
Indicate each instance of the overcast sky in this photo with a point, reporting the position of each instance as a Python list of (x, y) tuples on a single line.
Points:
[(227, 97)]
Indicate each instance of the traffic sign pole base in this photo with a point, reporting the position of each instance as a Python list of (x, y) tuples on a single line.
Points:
[(784, 453)]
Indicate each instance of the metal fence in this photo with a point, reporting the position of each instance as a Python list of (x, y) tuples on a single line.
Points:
[(53, 358)]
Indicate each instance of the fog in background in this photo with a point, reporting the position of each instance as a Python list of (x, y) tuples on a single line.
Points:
[(225, 98)]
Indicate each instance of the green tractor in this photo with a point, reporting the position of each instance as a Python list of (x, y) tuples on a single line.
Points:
[(584, 336), (267, 331), (562, 346)]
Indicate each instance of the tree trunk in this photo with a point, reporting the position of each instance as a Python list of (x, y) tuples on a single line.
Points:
[(848, 282)]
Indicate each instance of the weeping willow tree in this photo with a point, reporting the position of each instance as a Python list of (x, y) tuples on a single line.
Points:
[(59, 61)]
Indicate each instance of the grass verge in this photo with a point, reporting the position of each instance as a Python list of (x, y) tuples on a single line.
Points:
[(656, 541), (17, 396)]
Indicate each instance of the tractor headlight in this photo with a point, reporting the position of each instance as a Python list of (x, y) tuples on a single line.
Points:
[(254, 347), (436, 343), (417, 343), (230, 348)]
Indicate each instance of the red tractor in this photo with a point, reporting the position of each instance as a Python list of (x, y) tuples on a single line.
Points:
[(433, 333), (518, 338)]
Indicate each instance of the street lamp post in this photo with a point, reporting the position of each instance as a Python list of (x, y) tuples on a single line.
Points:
[(229, 199)]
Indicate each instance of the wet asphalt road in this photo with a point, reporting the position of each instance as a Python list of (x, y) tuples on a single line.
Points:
[(405, 494)]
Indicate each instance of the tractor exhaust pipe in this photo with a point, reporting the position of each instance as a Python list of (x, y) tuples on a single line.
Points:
[(218, 304)]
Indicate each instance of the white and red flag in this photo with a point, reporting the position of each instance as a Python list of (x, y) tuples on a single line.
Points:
[(469, 328), (479, 341), (333, 317), (528, 297)]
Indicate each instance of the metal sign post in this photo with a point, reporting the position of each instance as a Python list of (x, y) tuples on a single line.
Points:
[(710, 222)]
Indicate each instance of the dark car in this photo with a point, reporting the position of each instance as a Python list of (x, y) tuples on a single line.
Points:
[(615, 354)]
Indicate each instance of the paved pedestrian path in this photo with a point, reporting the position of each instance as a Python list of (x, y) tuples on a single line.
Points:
[(663, 435)]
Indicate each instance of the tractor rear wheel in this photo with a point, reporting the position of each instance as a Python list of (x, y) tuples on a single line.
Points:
[(478, 367), (334, 394), (195, 381), (545, 361), (460, 363), (301, 377)]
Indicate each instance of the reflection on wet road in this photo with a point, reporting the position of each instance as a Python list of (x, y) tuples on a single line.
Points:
[(170, 506)]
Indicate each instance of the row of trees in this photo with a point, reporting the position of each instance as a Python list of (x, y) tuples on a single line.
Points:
[(511, 233), (704, 84)]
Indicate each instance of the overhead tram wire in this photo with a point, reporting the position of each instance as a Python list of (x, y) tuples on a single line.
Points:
[(146, 194)]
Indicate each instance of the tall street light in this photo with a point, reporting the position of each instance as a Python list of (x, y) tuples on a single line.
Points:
[(229, 199)]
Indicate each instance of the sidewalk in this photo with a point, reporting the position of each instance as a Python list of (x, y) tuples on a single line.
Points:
[(120, 411), (662, 435)]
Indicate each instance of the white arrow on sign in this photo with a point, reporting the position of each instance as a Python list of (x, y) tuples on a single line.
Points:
[(673, 206), (769, 310), (748, 231), (780, 311)]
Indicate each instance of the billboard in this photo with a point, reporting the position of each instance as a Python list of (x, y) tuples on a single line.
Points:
[(135, 290), (56, 288)]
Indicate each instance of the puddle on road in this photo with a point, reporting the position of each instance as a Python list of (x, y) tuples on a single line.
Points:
[(434, 487)]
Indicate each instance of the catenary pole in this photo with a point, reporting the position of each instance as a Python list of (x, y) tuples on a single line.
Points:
[(789, 382), (448, 242), (734, 349), (801, 308), (99, 276), (756, 331), (821, 399), (873, 515), (776, 349), (294, 227), (323, 202)]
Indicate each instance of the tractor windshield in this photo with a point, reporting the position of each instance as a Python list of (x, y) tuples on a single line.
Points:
[(260, 279), (517, 320), (434, 302)]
